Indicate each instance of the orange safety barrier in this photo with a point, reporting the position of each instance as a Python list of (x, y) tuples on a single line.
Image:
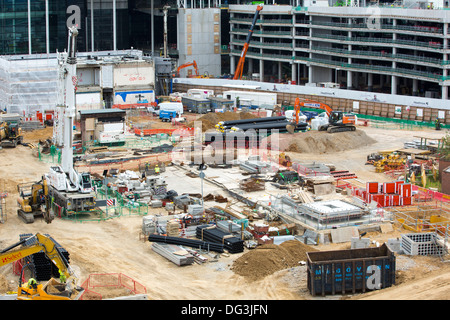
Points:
[(111, 280), (148, 132), (134, 105)]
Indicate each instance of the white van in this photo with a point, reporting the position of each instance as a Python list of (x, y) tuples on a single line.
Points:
[(171, 106)]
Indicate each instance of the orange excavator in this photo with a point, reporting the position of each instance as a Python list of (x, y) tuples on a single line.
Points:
[(189, 64), (338, 121), (240, 66)]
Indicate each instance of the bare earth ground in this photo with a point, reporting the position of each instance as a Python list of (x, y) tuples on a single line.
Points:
[(113, 246)]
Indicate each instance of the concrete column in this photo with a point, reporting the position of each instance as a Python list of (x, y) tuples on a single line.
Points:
[(444, 88), (294, 72), (92, 26), (261, 70), (370, 81), (29, 26), (310, 74), (232, 64), (394, 85), (47, 34), (349, 80), (280, 76), (114, 27)]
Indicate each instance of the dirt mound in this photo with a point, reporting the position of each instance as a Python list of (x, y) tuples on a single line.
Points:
[(270, 258), (324, 142), (38, 134), (209, 120)]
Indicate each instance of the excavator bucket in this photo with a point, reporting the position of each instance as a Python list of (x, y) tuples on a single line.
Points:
[(290, 128)]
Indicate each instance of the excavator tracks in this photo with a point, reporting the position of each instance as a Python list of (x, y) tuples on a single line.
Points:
[(340, 129)]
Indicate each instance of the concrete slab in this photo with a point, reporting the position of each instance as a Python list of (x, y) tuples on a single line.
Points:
[(386, 228), (358, 243), (345, 234)]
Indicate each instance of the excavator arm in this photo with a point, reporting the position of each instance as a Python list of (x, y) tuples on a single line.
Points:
[(42, 243), (189, 64)]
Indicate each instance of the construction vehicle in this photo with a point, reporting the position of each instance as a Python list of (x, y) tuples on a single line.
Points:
[(10, 134), (186, 65), (59, 291), (70, 189), (292, 126), (284, 160), (336, 121), (240, 65), (34, 201)]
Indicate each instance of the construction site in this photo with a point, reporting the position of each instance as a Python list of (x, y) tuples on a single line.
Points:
[(221, 202)]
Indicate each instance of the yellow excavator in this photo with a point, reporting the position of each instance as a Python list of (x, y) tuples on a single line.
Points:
[(53, 289), (34, 201)]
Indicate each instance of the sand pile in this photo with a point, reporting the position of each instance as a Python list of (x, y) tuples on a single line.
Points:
[(38, 134), (323, 142), (268, 259), (209, 120)]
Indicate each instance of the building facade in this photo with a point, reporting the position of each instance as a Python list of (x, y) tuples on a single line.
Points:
[(377, 49)]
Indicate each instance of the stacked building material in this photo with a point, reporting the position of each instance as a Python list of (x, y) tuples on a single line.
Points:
[(388, 194), (174, 253), (42, 268), (254, 166), (252, 184), (198, 244), (215, 235), (228, 226)]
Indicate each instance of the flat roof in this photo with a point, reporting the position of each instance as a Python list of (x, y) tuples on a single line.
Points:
[(100, 111)]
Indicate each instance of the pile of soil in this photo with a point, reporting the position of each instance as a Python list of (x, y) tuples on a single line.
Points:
[(324, 142), (270, 258), (38, 134), (209, 120)]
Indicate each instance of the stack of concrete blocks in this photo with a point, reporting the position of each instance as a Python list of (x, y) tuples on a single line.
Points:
[(254, 165), (229, 226), (195, 210), (148, 225), (421, 244), (394, 245), (360, 243)]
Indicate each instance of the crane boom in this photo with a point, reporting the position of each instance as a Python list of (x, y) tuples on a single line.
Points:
[(240, 66)]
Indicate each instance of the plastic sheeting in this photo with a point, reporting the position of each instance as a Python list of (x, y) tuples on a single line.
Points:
[(28, 85)]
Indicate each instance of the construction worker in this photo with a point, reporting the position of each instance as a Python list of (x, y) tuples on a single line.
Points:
[(146, 166), (156, 169), (437, 124), (62, 277), (32, 284)]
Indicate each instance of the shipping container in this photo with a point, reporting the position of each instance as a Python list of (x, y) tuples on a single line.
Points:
[(196, 105), (350, 271), (218, 103)]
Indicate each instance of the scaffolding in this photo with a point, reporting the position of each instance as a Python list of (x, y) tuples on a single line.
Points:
[(28, 85), (425, 219)]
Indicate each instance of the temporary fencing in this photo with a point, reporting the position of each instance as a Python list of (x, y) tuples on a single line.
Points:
[(109, 280)]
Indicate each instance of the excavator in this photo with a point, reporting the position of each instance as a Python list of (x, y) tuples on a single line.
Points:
[(338, 121), (188, 64), (34, 201), (53, 289), (10, 134), (240, 66)]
